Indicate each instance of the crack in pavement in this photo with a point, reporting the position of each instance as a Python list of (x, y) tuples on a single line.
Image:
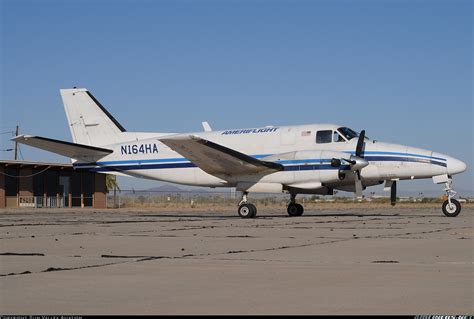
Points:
[(21, 254), (52, 269), (276, 223)]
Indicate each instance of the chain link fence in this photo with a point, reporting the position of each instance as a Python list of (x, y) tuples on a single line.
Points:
[(191, 199)]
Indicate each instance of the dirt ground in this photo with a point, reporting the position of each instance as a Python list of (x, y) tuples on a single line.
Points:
[(359, 258)]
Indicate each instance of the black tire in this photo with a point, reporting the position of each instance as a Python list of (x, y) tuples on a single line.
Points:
[(295, 210), (254, 209), (247, 211), (300, 209), (451, 211)]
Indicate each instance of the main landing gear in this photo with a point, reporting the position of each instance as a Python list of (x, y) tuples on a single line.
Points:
[(248, 210), (451, 207), (294, 209)]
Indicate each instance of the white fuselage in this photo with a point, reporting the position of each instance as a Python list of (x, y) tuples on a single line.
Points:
[(306, 162)]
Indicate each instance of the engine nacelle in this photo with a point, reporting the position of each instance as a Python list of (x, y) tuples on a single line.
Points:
[(321, 166), (328, 166)]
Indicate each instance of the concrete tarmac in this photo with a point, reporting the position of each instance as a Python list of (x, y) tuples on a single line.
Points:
[(358, 261)]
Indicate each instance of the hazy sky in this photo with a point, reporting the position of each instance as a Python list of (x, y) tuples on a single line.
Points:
[(402, 70)]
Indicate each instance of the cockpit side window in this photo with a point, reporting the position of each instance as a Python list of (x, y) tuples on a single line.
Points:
[(324, 137), (348, 133), (337, 137)]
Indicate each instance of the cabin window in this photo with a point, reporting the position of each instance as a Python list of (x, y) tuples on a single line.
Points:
[(336, 137), (348, 133), (324, 137)]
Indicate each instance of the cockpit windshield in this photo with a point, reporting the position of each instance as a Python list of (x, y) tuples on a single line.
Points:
[(348, 133)]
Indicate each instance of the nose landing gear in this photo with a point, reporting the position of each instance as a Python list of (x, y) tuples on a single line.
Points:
[(451, 207)]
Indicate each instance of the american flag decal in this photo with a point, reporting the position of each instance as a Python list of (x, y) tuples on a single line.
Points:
[(306, 133)]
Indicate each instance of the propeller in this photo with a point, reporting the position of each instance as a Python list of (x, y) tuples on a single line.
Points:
[(358, 163)]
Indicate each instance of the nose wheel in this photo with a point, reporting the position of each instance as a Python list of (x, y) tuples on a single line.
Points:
[(451, 207)]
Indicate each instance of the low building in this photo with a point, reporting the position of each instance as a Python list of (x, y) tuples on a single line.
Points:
[(36, 184)]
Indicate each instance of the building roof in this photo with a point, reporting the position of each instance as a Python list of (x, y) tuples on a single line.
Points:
[(13, 163)]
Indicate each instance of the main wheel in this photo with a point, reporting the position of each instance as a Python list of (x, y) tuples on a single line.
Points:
[(247, 211), (451, 210), (295, 210), (254, 210), (300, 209)]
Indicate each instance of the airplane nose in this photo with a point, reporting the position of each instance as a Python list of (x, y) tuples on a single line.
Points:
[(455, 166)]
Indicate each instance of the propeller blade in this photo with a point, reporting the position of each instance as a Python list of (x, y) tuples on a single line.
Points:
[(358, 185), (358, 163), (393, 193), (360, 144)]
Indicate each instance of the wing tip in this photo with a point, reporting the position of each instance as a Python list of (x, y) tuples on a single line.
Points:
[(22, 137)]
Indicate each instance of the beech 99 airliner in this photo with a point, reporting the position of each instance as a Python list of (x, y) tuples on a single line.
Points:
[(303, 159)]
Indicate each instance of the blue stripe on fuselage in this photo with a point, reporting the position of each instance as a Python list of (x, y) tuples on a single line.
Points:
[(157, 160), (312, 167), (140, 167), (187, 165), (286, 167), (402, 159), (182, 162), (396, 153)]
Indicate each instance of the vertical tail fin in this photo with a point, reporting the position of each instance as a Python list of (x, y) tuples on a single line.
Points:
[(90, 123)]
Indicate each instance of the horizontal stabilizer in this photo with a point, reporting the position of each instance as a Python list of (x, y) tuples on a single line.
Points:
[(68, 149), (216, 159)]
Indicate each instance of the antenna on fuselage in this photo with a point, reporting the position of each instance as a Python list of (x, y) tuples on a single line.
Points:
[(206, 127)]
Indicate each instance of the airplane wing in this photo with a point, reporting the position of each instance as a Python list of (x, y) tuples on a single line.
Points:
[(216, 159), (72, 150)]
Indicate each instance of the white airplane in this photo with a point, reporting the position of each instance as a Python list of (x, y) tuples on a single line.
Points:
[(303, 159)]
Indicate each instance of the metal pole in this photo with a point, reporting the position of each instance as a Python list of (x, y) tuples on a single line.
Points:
[(16, 144)]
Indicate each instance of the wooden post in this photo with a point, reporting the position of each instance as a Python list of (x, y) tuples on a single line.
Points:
[(2, 188)]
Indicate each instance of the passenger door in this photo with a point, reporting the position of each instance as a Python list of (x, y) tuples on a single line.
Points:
[(288, 136)]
